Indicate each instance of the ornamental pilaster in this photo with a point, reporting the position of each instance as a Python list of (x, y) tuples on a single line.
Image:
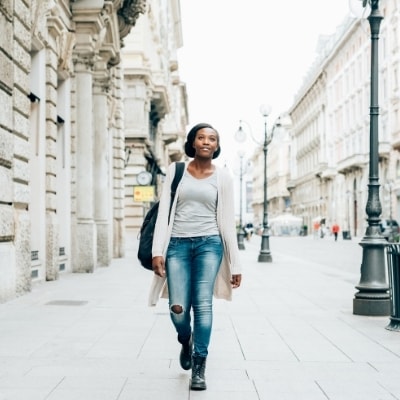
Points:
[(102, 165), (84, 238), (84, 135), (88, 19)]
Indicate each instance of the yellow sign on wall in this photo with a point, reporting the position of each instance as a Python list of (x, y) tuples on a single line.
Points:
[(143, 193)]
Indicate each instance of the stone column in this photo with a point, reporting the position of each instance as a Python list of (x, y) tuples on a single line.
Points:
[(117, 123), (102, 193), (52, 217), (84, 239)]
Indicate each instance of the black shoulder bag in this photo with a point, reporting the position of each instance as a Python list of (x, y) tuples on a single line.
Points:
[(149, 222)]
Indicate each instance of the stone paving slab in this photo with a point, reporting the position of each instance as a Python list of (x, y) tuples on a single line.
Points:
[(288, 334)]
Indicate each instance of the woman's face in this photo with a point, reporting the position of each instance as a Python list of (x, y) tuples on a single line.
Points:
[(206, 143)]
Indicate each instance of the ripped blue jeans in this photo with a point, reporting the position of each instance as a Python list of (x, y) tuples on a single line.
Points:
[(192, 266)]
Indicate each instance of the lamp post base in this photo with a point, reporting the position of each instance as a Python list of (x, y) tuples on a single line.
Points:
[(372, 297), (240, 240), (264, 257), (265, 253), (373, 308)]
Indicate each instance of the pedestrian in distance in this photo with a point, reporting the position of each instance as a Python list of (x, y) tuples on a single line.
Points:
[(335, 230), (316, 228), (248, 230), (195, 251), (322, 228)]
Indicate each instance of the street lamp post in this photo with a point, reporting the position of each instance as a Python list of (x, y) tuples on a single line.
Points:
[(240, 234), (372, 297), (283, 120), (265, 252)]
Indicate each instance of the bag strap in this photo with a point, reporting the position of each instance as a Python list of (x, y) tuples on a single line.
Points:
[(179, 169)]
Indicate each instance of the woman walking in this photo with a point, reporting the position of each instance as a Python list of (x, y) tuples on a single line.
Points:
[(195, 251)]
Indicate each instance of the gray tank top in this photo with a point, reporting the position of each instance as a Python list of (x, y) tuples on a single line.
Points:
[(196, 209)]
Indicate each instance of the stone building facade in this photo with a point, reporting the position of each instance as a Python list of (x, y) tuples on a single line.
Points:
[(155, 102), (328, 165), (62, 153), (278, 195)]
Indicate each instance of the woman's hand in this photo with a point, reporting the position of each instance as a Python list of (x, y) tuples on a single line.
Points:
[(236, 280), (158, 266)]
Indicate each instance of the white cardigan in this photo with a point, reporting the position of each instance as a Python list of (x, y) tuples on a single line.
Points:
[(226, 225)]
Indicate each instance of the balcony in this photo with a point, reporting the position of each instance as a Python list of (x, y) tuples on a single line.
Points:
[(290, 185), (169, 137), (328, 173), (395, 136), (384, 150), (175, 153), (352, 163)]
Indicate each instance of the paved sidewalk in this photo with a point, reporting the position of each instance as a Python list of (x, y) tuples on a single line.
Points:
[(288, 334)]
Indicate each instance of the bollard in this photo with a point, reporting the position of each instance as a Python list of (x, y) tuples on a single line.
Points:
[(393, 259)]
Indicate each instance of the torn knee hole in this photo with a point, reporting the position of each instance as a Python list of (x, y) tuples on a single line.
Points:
[(176, 309)]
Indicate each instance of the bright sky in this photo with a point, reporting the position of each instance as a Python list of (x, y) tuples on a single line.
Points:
[(238, 55)]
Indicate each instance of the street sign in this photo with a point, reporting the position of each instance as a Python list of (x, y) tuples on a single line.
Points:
[(143, 193)]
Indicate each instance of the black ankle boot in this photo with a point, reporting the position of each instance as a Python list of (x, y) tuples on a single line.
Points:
[(198, 371), (185, 357)]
